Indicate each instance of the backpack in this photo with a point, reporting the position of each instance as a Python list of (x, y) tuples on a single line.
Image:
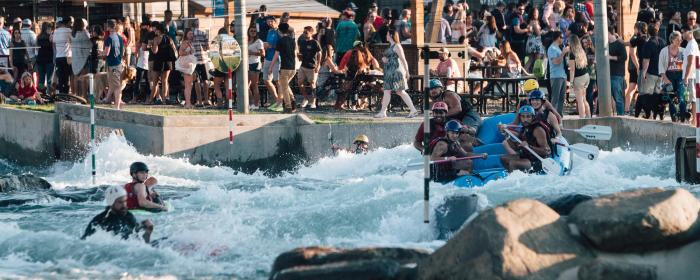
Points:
[(540, 68)]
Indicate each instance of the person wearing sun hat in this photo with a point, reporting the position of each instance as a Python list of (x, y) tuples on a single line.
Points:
[(117, 219)]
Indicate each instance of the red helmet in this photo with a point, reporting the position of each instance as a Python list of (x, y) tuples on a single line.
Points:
[(440, 106)]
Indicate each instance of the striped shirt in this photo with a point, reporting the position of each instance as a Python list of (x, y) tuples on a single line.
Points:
[(200, 43)]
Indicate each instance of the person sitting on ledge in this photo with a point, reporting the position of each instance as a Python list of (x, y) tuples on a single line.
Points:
[(140, 194), (26, 91), (117, 219), (361, 145)]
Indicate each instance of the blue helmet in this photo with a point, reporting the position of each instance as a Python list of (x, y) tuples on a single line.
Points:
[(527, 109), (537, 94), (454, 126), (435, 83)]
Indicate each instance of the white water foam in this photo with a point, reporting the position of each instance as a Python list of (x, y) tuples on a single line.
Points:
[(348, 200)]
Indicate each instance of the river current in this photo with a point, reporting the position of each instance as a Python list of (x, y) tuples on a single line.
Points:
[(230, 224)]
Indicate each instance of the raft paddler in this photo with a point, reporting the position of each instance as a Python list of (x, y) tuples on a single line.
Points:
[(532, 134), (459, 108), (449, 148), (544, 113), (437, 129), (140, 193), (117, 219), (361, 145)]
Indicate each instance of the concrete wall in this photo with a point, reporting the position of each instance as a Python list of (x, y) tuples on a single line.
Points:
[(641, 135), (28, 137), (272, 142)]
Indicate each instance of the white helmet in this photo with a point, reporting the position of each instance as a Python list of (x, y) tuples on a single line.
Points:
[(113, 193)]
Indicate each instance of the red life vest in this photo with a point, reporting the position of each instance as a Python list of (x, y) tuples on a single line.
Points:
[(132, 200)]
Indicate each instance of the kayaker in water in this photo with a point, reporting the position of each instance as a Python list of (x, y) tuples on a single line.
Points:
[(361, 145), (140, 194), (437, 129), (460, 108), (533, 134), (117, 219), (449, 148)]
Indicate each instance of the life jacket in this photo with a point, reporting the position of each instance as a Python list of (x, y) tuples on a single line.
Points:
[(548, 127), (527, 133), (132, 200), (451, 151)]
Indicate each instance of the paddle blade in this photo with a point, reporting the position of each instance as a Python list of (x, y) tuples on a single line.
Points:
[(585, 150), (595, 132), (550, 166)]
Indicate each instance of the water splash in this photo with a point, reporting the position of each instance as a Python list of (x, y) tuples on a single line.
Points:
[(348, 200)]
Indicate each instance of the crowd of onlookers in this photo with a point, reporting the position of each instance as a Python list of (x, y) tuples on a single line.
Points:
[(554, 42)]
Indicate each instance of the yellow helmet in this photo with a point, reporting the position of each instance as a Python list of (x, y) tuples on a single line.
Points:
[(531, 84), (362, 138)]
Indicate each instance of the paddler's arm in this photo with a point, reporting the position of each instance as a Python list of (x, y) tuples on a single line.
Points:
[(143, 202), (439, 150), (549, 106), (551, 119), (454, 107), (147, 226)]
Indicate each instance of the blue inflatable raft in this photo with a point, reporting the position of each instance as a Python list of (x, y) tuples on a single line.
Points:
[(489, 169)]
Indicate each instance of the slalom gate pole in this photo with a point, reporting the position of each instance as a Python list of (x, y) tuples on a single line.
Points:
[(697, 113), (230, 108), (426, 136), (92, 129)]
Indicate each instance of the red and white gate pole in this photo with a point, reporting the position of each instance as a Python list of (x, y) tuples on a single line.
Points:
[(230, 108), (697, 113)]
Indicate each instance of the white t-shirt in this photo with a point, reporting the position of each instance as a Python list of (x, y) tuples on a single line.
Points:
[(61, 37), (690, 49), (255, 47), (143, 59)]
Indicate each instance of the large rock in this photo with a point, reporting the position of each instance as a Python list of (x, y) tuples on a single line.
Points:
[(24, 182), (602, 269), (522, 239), (453, 212), (336, 263), (639, 220), (565, 204)]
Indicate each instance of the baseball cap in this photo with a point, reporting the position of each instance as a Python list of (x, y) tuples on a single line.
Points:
[(27, 21)]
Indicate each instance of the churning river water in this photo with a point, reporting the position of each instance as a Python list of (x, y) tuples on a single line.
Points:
[(248, 219)]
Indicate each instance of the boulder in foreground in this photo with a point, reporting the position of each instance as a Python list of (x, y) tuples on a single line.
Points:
[(639, 220), (522, 239)]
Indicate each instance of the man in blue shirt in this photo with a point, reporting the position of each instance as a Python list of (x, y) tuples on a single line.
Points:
[(272, 74), (4, 39), (346, 33), (113, 50), (261, 23), (557, 75)]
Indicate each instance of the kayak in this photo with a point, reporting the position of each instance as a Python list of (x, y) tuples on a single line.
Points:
[(148, 212), (491, 169)]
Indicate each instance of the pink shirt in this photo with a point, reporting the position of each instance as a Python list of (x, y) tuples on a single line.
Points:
[(448, 68)]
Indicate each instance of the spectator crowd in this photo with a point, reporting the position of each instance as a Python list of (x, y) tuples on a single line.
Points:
[(159, 62)]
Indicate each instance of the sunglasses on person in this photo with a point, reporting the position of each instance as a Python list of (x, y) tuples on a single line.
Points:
[(691, 18)]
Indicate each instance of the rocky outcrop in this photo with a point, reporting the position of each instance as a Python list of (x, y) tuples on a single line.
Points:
[(24, 182), (639, 220), (521, 239), (336, 263), (603, 269), (453, 213), (565, 204)]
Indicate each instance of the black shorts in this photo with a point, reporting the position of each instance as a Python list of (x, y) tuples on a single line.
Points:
[(634, 76), (161, 66), (536, 166), (442, 175), (200, 72), (219, 74)]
